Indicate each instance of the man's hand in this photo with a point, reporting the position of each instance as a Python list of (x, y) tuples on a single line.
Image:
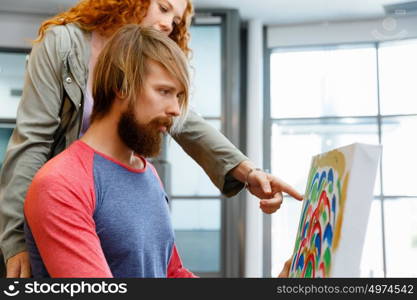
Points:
[(285, 272), (18, 266)]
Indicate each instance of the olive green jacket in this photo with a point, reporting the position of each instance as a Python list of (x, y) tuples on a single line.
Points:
[(49, 120)]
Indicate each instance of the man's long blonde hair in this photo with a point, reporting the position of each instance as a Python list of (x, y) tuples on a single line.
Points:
[(121, 68)]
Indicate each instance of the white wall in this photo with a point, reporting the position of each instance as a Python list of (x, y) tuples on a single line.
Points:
[(18, 29), (342, 32)]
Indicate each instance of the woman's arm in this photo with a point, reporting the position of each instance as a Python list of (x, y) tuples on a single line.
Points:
[(227, 167), (31, 142), (212, 151)]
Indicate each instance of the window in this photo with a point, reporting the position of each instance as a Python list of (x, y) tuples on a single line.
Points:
[(335, 82), (205, 223), (5, 133), (326, 97), (196, 202), (12, 69), (197, 226), (398, 65)]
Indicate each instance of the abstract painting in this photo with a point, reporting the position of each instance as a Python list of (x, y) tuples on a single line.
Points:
[(335, 212)]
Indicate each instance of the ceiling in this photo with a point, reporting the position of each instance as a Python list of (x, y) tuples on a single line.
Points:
[(269, 11)]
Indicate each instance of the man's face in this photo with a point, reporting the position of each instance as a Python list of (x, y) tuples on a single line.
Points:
[(142, 125)]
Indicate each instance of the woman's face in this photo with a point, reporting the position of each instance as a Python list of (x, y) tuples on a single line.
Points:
[(164, 15)]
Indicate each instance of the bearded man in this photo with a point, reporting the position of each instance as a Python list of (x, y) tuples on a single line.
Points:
[(98, 209)]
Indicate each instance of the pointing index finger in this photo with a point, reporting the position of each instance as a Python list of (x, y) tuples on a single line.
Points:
[(291, 191)]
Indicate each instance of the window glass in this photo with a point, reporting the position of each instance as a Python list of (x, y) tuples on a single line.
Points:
[(372, 255), (5, 134), (399, 158), (284, 225), (188, 178), (197, 225), (401, 236), (12, 70), (206, 69), (294, 142), (197, 220), (397, 74), (326, 82)]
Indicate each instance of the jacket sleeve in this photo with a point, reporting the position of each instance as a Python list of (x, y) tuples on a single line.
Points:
[(31, 141), (175, 268), (212, 151)]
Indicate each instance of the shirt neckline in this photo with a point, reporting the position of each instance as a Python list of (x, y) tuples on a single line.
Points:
[(129, 168)]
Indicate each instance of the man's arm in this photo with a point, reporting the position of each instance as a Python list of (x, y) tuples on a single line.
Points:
[(60, 215), (285, 272), (175, 268)]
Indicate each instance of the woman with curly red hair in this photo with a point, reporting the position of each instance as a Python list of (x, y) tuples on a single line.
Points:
[(56, 106), (105, 16)]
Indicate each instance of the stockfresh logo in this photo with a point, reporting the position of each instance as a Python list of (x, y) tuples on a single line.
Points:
[(11, 290)]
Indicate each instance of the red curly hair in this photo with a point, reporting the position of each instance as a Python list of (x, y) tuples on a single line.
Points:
[(105, 16)]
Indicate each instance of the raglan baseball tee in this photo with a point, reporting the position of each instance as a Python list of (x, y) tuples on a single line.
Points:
[(88, 215)]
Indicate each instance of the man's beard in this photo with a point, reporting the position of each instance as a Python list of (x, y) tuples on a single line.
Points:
[(145, 139)]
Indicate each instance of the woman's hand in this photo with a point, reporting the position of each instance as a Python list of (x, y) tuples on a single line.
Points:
[(265, 186), (18, 266), (269, 189)]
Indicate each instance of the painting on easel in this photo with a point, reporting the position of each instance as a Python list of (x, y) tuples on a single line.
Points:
[(335, 212)]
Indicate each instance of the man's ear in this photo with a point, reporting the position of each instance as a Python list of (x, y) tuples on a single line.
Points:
[(120, 102), (120, 95), (121, 98)]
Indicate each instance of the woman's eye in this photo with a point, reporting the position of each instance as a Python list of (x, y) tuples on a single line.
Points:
[(163, 8), (164, 92)]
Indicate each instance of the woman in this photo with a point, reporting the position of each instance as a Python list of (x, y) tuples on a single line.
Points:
[(56, 106)]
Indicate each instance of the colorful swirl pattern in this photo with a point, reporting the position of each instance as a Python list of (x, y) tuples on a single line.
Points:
[(321, 219)]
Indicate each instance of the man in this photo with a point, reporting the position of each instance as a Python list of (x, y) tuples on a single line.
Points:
[(98, 209)]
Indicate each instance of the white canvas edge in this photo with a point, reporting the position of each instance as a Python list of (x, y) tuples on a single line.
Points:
[(346, 259)]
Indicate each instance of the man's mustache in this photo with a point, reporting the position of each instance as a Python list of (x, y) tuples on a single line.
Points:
[(162, 121)]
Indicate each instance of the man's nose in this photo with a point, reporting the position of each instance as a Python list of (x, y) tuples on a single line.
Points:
[(174, 108)]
